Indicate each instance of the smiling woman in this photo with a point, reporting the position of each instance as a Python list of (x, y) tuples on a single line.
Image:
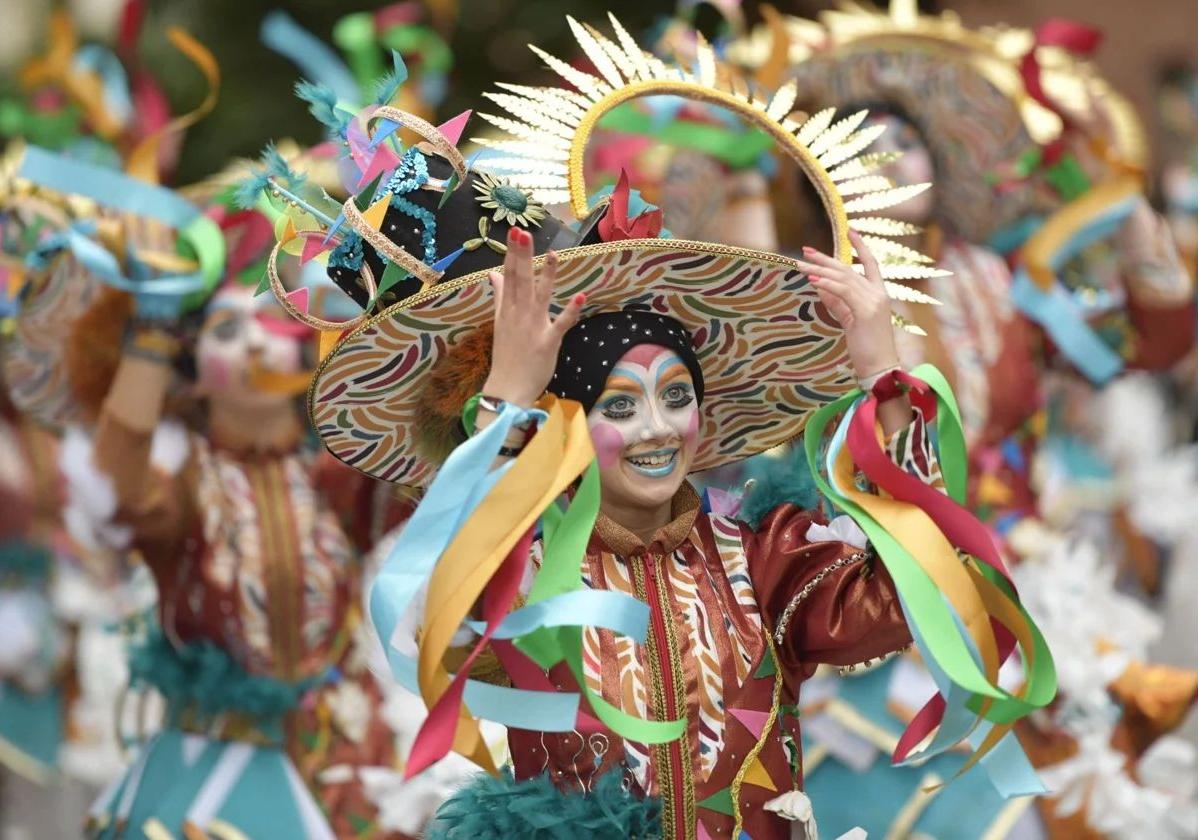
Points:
[(646, 654)]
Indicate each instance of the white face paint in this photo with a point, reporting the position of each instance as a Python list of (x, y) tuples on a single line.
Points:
[(914, 167), (645, 427), (243, 335)]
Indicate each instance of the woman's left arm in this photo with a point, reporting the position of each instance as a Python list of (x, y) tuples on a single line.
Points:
[(860, 303), (1160, 292)]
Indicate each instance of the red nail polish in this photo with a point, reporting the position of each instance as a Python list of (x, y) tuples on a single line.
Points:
[(580, 298)]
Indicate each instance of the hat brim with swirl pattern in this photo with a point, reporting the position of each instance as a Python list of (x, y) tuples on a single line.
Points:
[(770, 352)]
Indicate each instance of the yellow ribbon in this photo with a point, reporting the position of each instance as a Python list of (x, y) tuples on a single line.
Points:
[(143, 160), (1059, 228), (558, 453)]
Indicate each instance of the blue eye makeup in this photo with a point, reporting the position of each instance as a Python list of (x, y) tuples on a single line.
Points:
[(618, 408), (678, 395)]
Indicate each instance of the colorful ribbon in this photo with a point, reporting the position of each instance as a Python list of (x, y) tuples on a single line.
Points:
[(965, 618), (469, 534), (1038, 293), (199, 240)]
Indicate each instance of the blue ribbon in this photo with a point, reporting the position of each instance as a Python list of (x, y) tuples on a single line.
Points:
[(315, 59), (459, 487), (1006, 765), (1061, 316)]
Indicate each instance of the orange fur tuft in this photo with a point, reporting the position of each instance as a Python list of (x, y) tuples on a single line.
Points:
[(93, 350), (455, 378)]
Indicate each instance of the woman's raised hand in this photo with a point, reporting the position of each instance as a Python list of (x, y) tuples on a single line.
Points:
[(526, 343), (859, 303)]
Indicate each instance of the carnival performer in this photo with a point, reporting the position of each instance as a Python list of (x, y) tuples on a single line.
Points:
[(196, 462), (608, 363)]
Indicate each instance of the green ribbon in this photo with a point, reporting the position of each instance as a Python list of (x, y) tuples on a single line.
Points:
[(738, 149), (923, 601)]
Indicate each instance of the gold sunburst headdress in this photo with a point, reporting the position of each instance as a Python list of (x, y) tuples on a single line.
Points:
[(788, 357), (549, 129), (961, 88)]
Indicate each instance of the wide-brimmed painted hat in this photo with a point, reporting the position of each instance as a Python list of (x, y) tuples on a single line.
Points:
[(770, 352), (960, 87)]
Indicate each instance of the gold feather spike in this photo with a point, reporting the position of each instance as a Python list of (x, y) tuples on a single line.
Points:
[(585, 82), (525, 132), (897, 291), (864, 184), (889, 250), (782, 102), (815, 126), (837, 133), (887, 198), (912, 272), (519, 164), (862, 165), (535, 152), (597, 55), (531, 113), (636, 56), (881, 226), (705, 59), (616, 53), (853, 145), (559, 100)]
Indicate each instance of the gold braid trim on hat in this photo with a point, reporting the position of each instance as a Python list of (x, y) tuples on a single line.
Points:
[(548, 130)]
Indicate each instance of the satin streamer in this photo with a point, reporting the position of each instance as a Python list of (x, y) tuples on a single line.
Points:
[(466, 510), (965, 618), (199, 238), (1037, 293)]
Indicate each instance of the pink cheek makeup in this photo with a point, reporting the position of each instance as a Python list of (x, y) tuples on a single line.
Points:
[(609, 444), (216, 375)]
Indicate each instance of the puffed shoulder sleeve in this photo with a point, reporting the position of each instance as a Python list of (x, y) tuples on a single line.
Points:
[(824, 601)]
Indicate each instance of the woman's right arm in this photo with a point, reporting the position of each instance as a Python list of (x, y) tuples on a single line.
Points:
[(148, 500)]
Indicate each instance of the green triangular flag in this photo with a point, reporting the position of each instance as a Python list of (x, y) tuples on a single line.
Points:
[(767, 668), (720, 801), (392, 274), (263, 284), (366, 197)]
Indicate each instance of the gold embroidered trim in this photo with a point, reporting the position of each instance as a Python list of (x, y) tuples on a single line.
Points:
[(760, 745), (661, 752), (804, 593), (280, 292), (679, 710)]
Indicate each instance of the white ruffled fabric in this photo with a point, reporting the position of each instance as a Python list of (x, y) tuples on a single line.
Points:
[(90, 509), (1161, 804)]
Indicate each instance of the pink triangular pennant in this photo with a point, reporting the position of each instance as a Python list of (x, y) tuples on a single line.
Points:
[(453, 127), (753, 721), (313, 245), (299, 299), (701, 831), (382, 159)]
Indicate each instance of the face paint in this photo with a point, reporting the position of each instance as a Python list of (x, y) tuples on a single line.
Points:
[(237, 357), (645, 427)]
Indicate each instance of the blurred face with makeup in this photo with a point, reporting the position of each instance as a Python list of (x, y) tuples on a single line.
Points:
[(645, 428), (914, 167), (249, 354)]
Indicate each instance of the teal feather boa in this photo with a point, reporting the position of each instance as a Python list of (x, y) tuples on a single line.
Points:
[(490, 808)]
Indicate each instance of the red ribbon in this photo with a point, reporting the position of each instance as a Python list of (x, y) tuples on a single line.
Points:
[(435, 738), (1070, 35), (962, 528)]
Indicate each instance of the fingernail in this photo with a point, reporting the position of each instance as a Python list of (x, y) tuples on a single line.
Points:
[(526, 236), (580, 298), (807, 250)]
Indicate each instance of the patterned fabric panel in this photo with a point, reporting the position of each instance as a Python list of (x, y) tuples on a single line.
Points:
[(262, 526), (34, 367), (770, 352)]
